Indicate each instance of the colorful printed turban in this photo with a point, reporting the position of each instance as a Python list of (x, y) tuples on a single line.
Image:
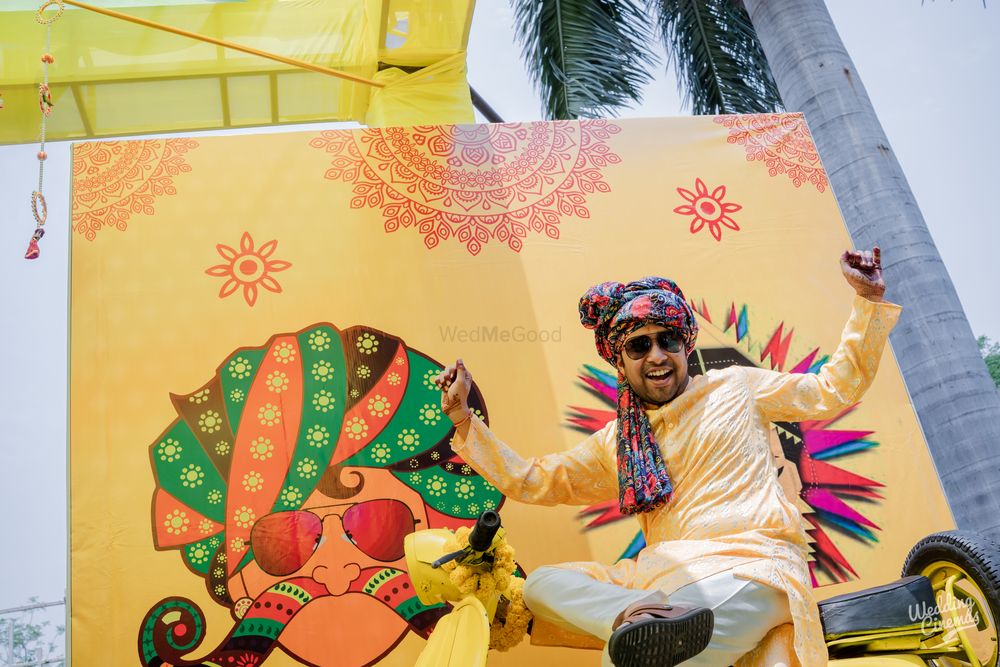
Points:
[(614, 310)]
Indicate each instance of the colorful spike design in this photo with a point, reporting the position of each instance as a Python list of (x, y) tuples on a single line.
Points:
[(812, 446), (741, 322)]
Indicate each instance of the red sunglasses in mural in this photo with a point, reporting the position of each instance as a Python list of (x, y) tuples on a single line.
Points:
[(283, 542)]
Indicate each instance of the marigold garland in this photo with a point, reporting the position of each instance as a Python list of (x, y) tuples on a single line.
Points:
[(472, 581), (507, 635)]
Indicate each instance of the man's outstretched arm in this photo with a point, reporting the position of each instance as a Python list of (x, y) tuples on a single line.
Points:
[(579, 476), (850, 371)]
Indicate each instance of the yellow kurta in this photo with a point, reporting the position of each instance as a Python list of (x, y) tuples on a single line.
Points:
[(728, 511)]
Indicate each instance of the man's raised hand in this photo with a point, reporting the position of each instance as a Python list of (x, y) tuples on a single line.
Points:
[(863, 271), (455, 383)]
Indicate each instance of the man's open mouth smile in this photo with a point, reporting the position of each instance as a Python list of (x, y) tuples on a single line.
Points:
[(659, 376)]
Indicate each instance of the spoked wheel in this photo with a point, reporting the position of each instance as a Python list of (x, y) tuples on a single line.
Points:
[(964, 570)]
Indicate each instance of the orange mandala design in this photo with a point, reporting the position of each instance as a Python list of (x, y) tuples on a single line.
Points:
[(782, 142), (114, 179), (474, 183)]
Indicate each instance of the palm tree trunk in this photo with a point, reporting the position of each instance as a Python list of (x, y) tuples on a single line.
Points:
[(956, 401)]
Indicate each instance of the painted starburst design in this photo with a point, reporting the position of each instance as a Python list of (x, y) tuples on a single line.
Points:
[(248, 268), (806, 453), (708, 208)]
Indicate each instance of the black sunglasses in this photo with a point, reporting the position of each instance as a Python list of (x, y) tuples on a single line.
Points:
[(638, 347)]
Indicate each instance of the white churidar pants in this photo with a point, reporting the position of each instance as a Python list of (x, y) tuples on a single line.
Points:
[(744, 610)]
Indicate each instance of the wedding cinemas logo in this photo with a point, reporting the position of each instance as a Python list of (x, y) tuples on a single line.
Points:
[(955, 615), (497, 334)]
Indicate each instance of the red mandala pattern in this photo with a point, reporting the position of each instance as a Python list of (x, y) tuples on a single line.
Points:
[(114, 179), (782, 142), (474, 183)]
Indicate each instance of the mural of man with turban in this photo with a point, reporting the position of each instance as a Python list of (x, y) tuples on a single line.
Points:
[(690, 457), (288, 483)]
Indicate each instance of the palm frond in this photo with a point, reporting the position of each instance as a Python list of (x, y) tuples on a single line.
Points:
[(720, 64), (587, 58)]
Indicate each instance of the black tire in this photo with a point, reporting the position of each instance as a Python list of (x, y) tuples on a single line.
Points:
[(976, 554)]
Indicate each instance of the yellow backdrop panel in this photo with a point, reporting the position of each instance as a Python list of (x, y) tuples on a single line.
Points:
[(254, 319)]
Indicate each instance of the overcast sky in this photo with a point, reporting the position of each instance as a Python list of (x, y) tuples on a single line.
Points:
[(931, 71)]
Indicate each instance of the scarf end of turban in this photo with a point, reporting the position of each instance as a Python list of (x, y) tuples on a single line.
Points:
[(643, 480), (632, 508)]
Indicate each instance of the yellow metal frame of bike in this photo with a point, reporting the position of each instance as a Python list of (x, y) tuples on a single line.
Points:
[(423, 547), (461, 639), (905, 641), (879, 661), (945, 577), (434, 585)]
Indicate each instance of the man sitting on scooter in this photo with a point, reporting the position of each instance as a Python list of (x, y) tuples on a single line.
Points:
[(690, 458)]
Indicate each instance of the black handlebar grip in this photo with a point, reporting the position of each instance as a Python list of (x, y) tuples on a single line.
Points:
[(485, 530)]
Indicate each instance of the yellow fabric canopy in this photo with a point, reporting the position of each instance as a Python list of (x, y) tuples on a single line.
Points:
[(113, 78)]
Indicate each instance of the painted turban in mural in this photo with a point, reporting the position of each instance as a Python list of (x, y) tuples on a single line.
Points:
[(288, 482)]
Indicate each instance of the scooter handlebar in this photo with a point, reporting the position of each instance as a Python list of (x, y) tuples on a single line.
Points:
[(485, 530)]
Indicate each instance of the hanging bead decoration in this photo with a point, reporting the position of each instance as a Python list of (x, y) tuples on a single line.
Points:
[(39, 209)]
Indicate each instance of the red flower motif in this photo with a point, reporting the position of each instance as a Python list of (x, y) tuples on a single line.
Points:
[(248, 267), (708, 209), (643, 308)]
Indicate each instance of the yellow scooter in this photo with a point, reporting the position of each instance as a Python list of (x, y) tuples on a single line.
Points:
[(462, 637), (943, 612)]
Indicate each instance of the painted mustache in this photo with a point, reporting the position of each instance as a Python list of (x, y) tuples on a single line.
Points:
[(176, 626)]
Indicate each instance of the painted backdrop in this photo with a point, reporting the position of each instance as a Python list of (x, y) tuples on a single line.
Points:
[(256, 319)]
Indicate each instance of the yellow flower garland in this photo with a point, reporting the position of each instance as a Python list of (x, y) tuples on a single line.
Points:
[(470, 581)]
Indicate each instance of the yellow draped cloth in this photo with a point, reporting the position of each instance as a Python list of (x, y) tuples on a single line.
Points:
[(114, 78), (728, 511)]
